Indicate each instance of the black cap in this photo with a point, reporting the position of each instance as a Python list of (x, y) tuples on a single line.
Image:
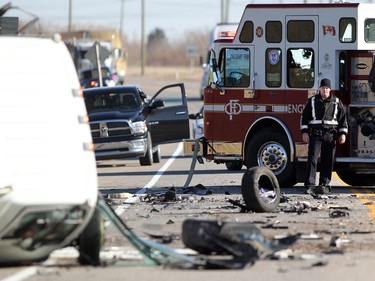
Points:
[(325, 83)]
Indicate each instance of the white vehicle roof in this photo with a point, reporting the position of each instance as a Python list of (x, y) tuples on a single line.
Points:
[(222, 31), (44, 140)]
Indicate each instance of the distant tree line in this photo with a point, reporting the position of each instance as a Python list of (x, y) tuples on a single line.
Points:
[(160, 51), (163, 52)]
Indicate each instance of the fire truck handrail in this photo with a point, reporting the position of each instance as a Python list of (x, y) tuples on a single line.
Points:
[(355, 159)]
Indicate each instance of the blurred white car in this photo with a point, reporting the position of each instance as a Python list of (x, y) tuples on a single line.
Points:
[(48, 186)]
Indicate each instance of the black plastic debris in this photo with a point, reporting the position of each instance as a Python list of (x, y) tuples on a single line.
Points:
[(244, 208), (275, 226), (170, 222), (198, 189), (170, 195), (161, 197), (320, 263), (284, 198), (242, 242), (338, 212), (164, 239)]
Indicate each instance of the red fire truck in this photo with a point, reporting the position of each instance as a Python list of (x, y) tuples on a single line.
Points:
[(263, 77)]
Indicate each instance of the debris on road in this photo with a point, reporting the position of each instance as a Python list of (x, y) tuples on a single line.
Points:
[(241, 241), (338, 212), (214, 248)]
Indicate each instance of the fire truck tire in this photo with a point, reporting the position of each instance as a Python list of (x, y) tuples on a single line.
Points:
[(234, 165), (147, 160), (353, 179), (260, 190), (270, 148)]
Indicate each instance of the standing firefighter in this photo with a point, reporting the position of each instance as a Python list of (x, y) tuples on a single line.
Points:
[(323, 119)]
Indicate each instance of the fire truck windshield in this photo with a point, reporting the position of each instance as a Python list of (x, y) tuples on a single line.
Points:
[(235, 67), (370, 30)]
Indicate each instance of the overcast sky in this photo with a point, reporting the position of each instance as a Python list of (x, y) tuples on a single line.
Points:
[(174, 17)]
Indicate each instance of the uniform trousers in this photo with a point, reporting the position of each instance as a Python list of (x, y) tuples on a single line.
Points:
[(323, 143)]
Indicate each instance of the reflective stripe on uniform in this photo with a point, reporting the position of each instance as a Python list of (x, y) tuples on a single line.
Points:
[(313, 107), (323, 122), (336, 109), (333, 122), (343, 130)]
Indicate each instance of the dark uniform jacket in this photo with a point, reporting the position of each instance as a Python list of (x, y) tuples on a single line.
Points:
[(322, 114)]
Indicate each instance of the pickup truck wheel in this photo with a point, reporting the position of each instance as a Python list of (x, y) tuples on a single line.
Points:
[(234, 165), (156, 154), (147, 160), (260, 190), (90, 241)]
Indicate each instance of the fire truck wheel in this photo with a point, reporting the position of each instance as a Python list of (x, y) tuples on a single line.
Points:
[(270, 148), (234, 165), (147, 160), (354, 179), (260, 190)]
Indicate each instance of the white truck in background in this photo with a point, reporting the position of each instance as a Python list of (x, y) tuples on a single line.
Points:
[(220, 31), (113, 53)]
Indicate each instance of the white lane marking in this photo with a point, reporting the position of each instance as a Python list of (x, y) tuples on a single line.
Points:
[(22, 275), (121, 209), (159, 173)]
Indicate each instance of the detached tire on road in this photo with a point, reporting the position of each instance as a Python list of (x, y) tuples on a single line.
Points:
[(260, 190)]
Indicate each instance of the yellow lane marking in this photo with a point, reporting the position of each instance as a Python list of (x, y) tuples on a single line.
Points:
[(369, 204)]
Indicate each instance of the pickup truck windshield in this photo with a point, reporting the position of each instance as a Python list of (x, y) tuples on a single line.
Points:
[(112, 101)]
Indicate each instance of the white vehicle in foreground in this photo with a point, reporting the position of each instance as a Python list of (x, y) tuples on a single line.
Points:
[(48, 178)]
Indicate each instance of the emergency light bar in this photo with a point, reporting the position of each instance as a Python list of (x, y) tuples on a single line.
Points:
[(226, 34)]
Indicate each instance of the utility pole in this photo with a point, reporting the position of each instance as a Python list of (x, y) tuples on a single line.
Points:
[(227, 11), (222, 11), (143, 43), (70, 16), (121, 18)]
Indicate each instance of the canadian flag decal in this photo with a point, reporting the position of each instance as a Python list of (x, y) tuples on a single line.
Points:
[(329, 29)]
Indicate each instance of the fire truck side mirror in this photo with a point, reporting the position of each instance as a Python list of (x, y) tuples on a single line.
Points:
[(214, 68)]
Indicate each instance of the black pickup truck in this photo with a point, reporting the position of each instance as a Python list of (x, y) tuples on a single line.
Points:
[(125, 123)]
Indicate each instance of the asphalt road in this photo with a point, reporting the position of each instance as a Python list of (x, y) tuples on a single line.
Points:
[(331, 246)]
